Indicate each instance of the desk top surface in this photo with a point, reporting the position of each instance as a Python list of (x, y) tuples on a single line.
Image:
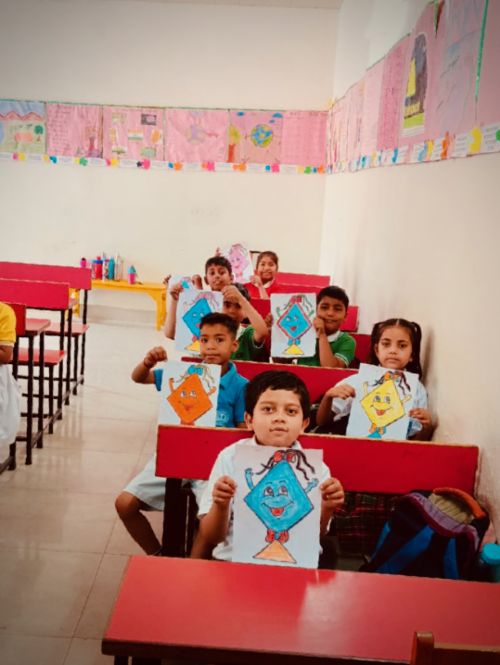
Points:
[(124, 284), (253, 610)]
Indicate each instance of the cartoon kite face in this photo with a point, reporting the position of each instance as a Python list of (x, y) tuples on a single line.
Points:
[(279, 500), (190, 400), (383, 404), (294, 322)]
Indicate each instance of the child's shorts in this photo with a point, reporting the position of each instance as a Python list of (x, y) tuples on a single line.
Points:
[(150, 488)]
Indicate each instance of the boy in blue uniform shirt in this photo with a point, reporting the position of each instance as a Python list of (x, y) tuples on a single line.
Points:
[(146, 491)]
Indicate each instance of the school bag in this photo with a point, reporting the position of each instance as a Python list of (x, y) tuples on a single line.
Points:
[(431, 534)]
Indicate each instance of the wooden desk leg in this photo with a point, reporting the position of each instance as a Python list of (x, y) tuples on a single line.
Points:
[(174, 519), (160, 299)]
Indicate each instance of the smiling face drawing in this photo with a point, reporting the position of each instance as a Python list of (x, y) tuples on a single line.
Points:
[(279, 500), (383, 404), (190, 400), (294, 322)]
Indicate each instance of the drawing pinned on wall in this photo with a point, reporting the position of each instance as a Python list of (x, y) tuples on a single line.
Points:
[(74, 130), (452, 94), (303, 139), (192, 307), (277, 506), (416, 88), (241, 262), (292, 332), (196, 135), (381, 410), (22, 126), (132, 133), (255, 137), (189, 394)]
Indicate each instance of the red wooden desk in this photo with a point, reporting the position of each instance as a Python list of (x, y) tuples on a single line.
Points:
[(218, 612), (362, 465)]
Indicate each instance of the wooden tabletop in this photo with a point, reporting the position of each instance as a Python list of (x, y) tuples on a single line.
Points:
[(231, 612)]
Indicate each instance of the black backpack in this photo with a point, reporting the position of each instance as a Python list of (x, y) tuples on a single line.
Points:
[(431, 534)]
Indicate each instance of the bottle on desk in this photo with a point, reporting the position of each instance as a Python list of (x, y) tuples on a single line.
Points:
[(111, 268), (132, 274), (97, 268), (83, 262), (118, 268)]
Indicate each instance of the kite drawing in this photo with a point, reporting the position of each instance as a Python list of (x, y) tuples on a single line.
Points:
[(193, 305), (381, 411), (189, 394), (280, 492), (292, 333)]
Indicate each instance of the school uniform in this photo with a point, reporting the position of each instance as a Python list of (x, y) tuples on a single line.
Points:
[(343, 346), (248, 349), (10, 396)]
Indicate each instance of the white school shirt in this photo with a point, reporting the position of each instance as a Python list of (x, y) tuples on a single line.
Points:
[(224, 466), (342, 407)]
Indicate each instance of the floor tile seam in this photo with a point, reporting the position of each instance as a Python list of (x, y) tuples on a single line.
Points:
[(91, 587)]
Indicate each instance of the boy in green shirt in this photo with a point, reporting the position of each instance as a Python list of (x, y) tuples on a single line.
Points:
[(251, 339), (334, 348)]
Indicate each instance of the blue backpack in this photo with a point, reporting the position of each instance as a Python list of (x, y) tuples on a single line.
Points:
[(431, 534)]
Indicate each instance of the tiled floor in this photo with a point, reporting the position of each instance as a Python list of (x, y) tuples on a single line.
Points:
[(62, 548)]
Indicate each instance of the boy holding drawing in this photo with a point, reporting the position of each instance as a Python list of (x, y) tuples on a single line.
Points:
[(334, 348), (146, 491), (235, 304), (277, 409)]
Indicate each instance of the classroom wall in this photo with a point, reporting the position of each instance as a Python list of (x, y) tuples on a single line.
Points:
[(421, 241), (161, 53)]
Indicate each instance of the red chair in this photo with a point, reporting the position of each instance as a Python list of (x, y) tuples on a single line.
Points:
[(79, 279), (426, 651), (29, 329), (362, 347), (49, 296)]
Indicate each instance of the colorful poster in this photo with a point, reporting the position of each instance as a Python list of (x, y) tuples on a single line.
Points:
[(192, 306), (277, 506), (74, 130), (255, 137), (420, 72), (488, 101), (380, 410), (132, 133), (391, 97), (22, 127), (304, 138), (292, 333), (196, 135), (354, 113), (371, 108), (241, 262), (452, 95), (189, 394)]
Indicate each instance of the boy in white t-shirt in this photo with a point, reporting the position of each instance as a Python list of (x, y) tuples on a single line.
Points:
[(277, 407)]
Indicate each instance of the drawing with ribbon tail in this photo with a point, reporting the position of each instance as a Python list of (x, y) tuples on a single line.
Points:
[(193, 306), (189, 394), (293, 334), (281, 492)]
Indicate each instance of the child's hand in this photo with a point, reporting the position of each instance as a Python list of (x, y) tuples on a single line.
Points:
[(256, 280), (176, 289), (223, 491), (155, 355), (166, 280), (422, 415), (319, 326), (343, 391), (269, 320), (198, 282), (332, 494), (232, 292), (218, 251)]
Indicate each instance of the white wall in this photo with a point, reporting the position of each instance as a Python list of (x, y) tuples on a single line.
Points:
[(121, 52), (421, 242)]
